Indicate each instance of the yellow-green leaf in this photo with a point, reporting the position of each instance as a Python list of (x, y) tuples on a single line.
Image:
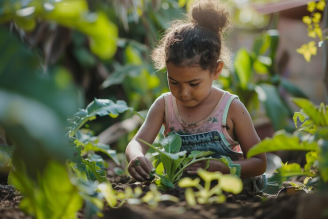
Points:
[(231, 183), (190, 197)]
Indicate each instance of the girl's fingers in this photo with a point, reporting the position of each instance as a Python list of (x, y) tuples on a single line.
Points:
[(136, 175), (142, 172), (139, 168), (146, 164)]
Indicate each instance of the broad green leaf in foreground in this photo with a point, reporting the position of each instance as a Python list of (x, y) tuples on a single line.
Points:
[(34, 107), (51, 196), (282, 141)]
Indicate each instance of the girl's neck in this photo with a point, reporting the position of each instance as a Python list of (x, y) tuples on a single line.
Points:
[(202, 110)]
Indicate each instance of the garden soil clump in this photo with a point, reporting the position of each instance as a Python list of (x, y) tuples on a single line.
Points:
[(282, 206)]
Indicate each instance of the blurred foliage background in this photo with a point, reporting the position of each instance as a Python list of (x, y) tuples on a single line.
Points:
[(57, 56), (101, 48)]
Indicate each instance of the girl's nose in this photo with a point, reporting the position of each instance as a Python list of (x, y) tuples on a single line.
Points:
[(184, 93)]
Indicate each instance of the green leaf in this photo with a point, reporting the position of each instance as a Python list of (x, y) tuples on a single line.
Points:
[(94, 172), (52, 195), (199, 154), (235, 169), (231, 183), (190, 197), (323, 161), (90, 143), (188, 182), (311, 159), (291, 88), (107, 191), (34, 106), (282, 141), (209, 176), (286, 171), (319, 114), (275, 108), (167, 183), (100, 107), (243, 67), (102, 32), (274, 42), (172, 143)]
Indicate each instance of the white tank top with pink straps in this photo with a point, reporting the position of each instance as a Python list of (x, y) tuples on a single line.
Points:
[(216, 121)]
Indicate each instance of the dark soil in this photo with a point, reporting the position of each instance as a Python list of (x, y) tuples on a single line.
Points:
[(286, 205)]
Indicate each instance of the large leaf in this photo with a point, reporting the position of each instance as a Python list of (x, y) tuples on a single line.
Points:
[(282, 141), (274, 42), (70, 13), (291, 88), (172, 143), (243, 67), (275, 108), (51, 196), (34, 106), (100, 107)]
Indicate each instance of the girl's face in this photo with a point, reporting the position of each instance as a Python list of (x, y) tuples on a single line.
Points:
[(190, 85)]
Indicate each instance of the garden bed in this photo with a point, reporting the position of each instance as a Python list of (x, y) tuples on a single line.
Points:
[(296, 205)]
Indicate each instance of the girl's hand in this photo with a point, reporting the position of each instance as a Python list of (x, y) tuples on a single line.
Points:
[(213, 166), (140, 167)]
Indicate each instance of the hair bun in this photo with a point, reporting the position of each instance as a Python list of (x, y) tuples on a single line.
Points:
[(209, 14)]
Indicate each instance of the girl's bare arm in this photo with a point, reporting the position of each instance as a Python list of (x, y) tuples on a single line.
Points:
[(247, 137), (147, 132)]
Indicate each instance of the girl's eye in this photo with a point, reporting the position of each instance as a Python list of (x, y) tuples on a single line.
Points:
[(194, 85), (174, 83)]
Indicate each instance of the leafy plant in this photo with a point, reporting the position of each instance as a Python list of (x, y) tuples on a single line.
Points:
[(73, 14), (90, 166), (136, 196), (312, 136), (208, 194), (257, 82), (170, 162)]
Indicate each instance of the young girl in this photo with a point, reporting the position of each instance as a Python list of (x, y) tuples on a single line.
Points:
[(207, 118)]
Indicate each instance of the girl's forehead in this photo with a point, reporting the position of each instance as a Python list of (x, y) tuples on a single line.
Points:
[(185, 73)]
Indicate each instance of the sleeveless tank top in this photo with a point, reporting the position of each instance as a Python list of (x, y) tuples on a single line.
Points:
[(216, 121)]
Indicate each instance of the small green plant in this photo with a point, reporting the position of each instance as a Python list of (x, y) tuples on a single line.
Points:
[(312, 136), (170, 162), (136, 196), (207, 194)]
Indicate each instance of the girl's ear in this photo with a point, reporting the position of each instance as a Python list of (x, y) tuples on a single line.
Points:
[(218, 70)]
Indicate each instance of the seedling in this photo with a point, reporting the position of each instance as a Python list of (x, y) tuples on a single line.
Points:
[(152, 197), (170, 162), (206, 194)]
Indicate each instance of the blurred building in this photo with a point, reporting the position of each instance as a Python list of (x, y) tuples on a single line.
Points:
[(309, 76)]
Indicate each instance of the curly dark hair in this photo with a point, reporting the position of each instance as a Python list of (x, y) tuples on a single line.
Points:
[(195, 40)]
